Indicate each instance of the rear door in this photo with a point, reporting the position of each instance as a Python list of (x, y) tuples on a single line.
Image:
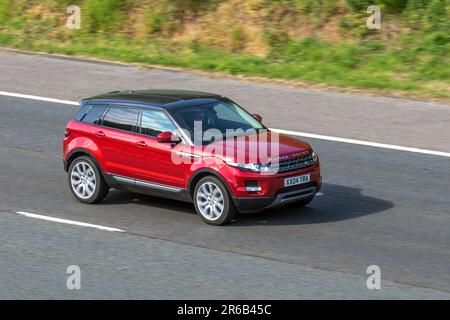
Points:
[(118, 140)]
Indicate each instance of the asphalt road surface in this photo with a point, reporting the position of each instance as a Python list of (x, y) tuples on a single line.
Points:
[(379, 207), (401, 122)]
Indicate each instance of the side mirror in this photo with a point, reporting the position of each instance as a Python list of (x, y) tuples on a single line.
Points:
[(257, 117), (168, 137)]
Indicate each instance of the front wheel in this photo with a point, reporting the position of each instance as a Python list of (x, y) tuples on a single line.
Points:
[(86, 181), (213, 202)]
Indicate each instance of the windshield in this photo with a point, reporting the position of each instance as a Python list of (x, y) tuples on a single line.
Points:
[(215, 121)]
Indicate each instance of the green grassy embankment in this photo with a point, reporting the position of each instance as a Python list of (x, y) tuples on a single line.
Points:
[(318, 42)]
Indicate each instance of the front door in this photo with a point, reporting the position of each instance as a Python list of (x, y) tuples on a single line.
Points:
[(155, 159)]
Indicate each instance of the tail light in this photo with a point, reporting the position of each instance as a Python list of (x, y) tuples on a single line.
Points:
[(66, 133)]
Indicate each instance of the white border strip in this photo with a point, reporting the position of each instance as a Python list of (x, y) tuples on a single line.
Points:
[(294, 133), (26, 96), (363, 143), (81, 224)]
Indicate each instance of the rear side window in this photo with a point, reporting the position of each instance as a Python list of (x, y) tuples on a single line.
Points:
[(121, 118), (94, 115)]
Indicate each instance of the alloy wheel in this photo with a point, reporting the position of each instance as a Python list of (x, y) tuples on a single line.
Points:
[(210, 201), (82, 180)]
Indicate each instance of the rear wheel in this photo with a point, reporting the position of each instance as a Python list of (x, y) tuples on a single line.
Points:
[(86, 181), (212, 201)]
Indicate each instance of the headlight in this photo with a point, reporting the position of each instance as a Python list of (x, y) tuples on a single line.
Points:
[(315, 157), (251, 166)]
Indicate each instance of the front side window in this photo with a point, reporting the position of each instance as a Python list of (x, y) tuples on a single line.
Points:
[(121, 118), (94, 115), (154, 122)]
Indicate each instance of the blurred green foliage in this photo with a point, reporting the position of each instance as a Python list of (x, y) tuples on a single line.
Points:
[(105, 15), (416, 59)]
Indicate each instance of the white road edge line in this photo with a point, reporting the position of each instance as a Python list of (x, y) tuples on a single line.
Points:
[(363, 143), (81, 224), (27, 96), (294, 133)]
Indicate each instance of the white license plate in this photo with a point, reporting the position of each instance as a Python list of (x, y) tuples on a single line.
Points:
[(292, 181)]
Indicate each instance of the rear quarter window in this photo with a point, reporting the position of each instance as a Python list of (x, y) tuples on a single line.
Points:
[(83, 110), (94, 115)]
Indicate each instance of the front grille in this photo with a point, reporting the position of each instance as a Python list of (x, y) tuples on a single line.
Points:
[(295, 164)]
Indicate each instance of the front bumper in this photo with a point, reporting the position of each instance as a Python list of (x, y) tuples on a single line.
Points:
[(284, 196)]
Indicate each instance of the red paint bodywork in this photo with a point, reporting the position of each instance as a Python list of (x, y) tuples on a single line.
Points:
[(142, 157)]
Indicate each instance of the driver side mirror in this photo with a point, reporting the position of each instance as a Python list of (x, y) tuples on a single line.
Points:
[(168, 137), (257, 117)]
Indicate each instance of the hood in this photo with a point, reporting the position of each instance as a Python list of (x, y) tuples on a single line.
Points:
[(263, 147)]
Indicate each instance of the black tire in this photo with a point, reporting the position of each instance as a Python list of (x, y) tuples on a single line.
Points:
[(301, 203), (101, 188), (229, 211)]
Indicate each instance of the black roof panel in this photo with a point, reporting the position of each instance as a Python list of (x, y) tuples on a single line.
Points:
[(161, 97)]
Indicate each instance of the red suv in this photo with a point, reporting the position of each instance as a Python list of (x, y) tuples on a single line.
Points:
[(190, 146)]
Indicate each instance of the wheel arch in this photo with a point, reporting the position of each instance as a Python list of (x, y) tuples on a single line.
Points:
[(79, 152), (201, 173)]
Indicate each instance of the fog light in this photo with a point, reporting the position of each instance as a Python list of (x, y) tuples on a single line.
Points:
[(252, 186)]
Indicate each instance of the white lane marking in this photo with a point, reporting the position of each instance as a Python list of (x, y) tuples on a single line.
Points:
[(26, 96), (363, 143), (294, 133), (82, 224), (320, 194)]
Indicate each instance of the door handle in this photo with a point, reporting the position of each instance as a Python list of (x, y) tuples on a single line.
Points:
[(141, 144), (100, 134)]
